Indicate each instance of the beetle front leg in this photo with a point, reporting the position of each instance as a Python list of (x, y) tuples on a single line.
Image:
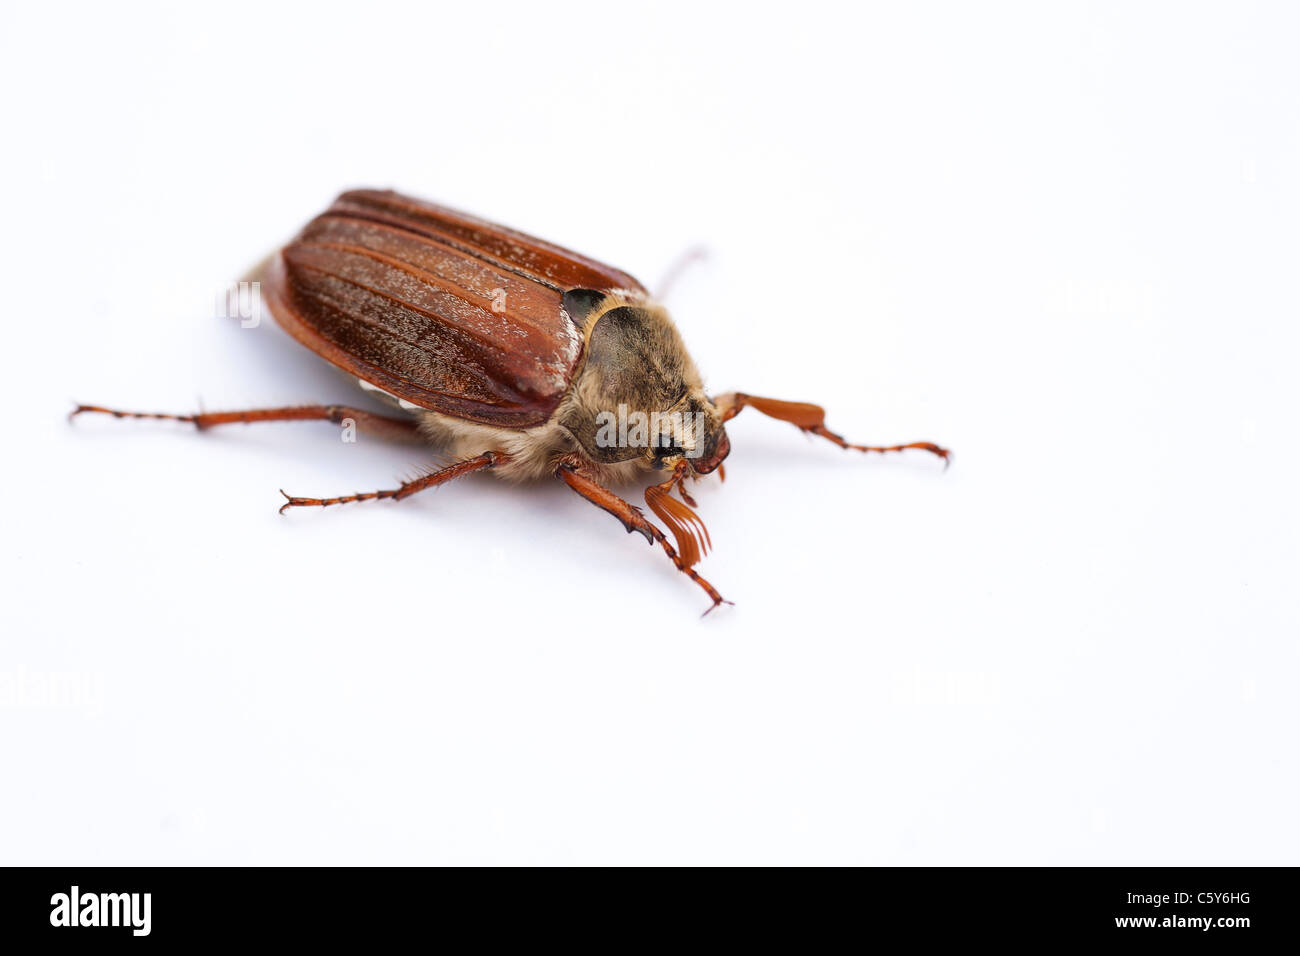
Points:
[(489, 459), (383, 425), (812, 419), (575, 476)]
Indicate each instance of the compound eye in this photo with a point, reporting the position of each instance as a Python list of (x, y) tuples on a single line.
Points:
[(667, 447)]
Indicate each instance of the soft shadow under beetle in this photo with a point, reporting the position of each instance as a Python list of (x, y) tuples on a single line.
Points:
[(511, 354)]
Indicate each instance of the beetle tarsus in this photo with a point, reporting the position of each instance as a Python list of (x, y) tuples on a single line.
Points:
[(117, 413), (488, 459), (931, 447)]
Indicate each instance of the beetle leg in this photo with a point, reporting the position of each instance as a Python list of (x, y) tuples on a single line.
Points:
[(812, 419), (488, 459), (404, 428), (575, 476), (690, 257)]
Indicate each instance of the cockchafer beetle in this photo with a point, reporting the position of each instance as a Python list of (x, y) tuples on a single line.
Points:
[(511, 354)]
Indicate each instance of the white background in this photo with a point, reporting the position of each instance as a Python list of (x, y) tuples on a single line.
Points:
[(1060, 239)]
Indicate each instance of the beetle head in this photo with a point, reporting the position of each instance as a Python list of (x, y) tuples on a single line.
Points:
[(639, 396), (691, 431)]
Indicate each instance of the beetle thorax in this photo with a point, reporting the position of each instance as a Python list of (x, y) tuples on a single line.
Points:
[(636, 405)]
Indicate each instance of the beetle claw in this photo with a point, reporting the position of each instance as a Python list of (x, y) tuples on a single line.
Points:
[(717, 604)]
